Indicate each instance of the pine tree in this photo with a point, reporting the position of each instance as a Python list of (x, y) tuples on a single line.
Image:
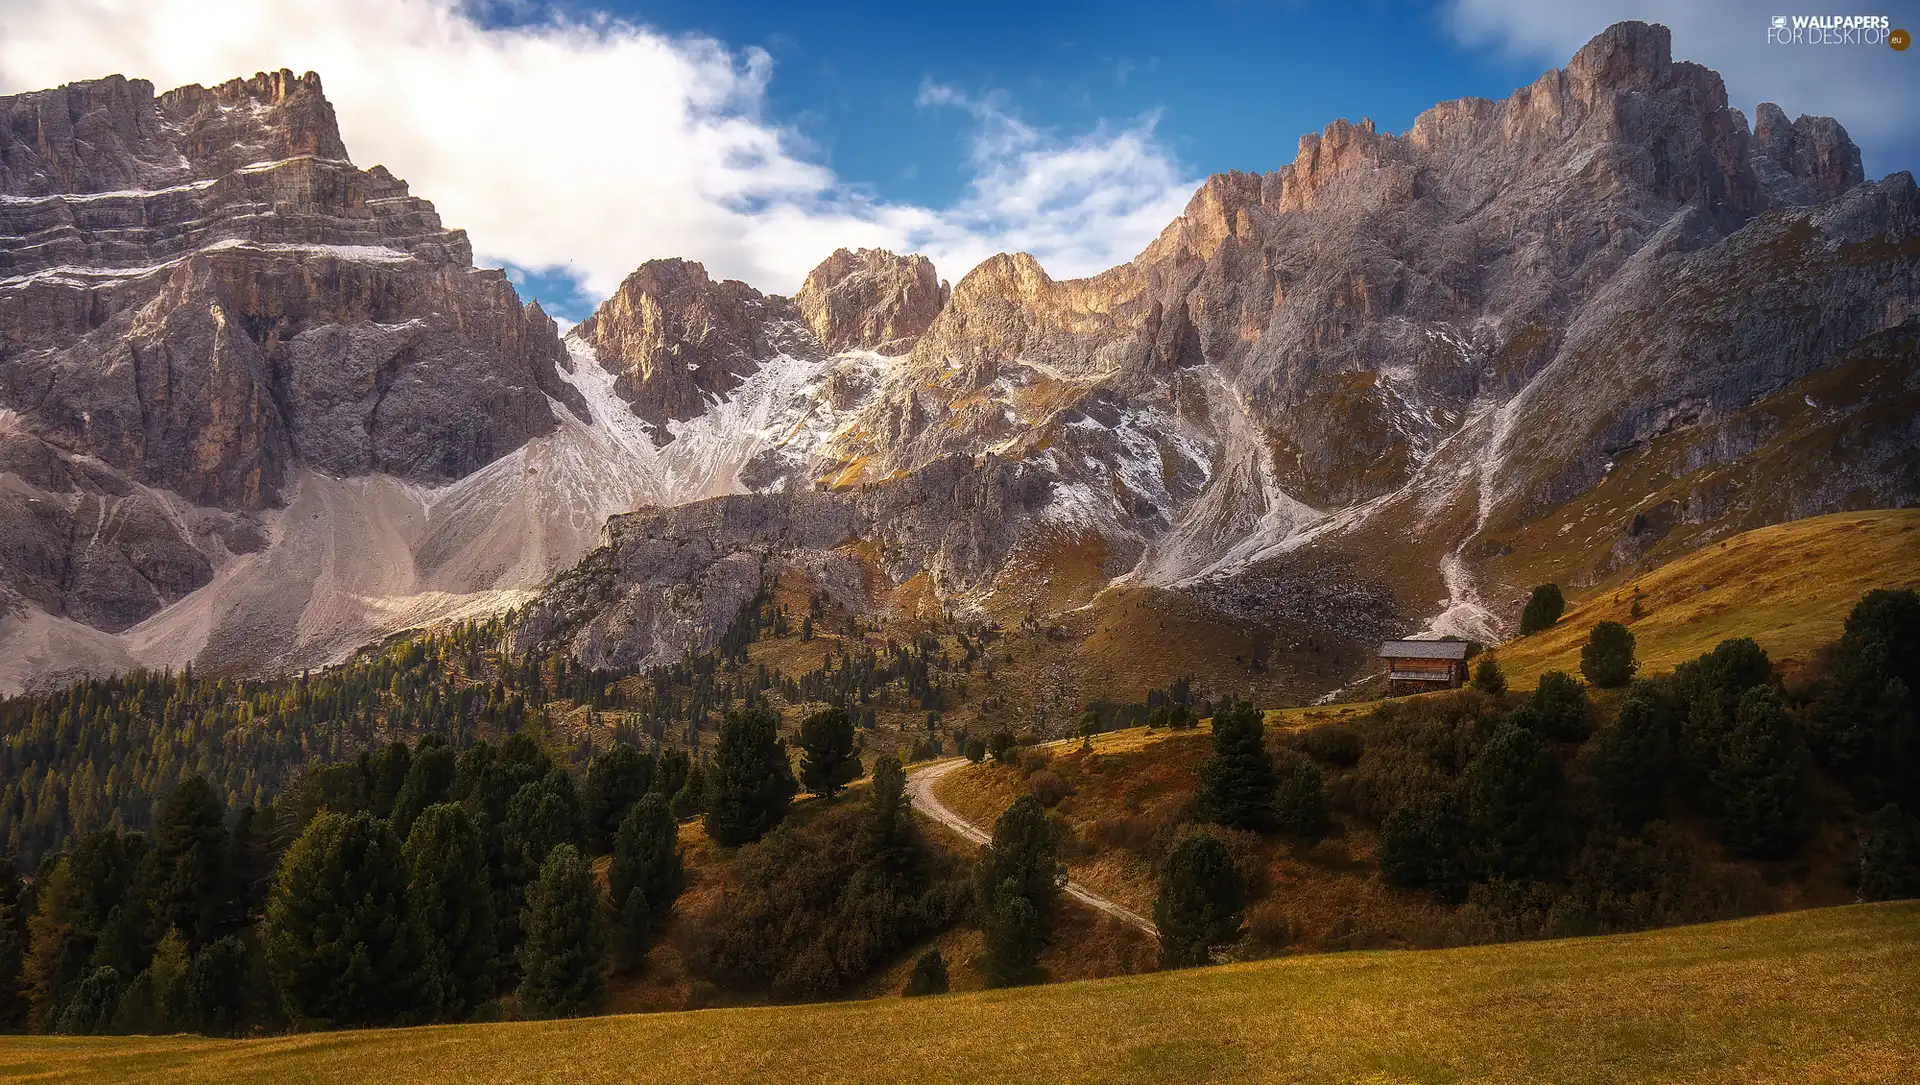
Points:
[(1238, 781), (217, 992), (1557, 711), (1607, 658), (1631, 760), (335, 935), (1864, 725), (1543, 609), (449, 904), (191, 839), (1758, 787), (15, 903), (826, 738), (1487, 677), (430, 780), (1300, 800), (690, 799), (543, 815), (561, 972), (1019, 877), (887, 836), (1200, 902), (929, 976), (1014, 932), (1427, 844), (1512, 792), (644, 877), (752, 783), (615, 781), (1890, 855)]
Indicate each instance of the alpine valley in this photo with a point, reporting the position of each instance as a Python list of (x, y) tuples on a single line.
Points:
[(258, 408)]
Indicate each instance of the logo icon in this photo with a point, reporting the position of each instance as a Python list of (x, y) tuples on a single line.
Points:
[(1899, 39), (1779, 22)]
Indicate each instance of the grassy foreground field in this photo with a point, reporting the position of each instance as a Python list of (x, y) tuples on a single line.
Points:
[(1815, 996), (1789, 587)]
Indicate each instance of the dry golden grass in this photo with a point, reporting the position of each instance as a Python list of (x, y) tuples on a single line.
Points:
[(1815, 996), (1789, 587)]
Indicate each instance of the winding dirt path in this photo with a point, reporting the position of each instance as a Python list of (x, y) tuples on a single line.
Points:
[(921, 795)]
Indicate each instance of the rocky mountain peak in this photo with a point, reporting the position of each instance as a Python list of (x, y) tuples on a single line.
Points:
[(675, 338), (871, 299), (1808, 160)]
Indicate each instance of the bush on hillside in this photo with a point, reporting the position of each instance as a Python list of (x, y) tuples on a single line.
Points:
[(929, 976), (1543, 608), (1557, 711), (1607, 659), (1426, 845), (1300, 800), (1630, 761), (1863, 725), (1238, 781), (1487, 677), (1333, 744)]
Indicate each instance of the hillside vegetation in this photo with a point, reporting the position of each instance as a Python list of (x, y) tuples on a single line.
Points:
[(1788, 586), (1816, 996)]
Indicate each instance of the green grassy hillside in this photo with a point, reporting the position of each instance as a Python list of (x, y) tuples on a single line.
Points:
[(1789, 587), (1816, 996)]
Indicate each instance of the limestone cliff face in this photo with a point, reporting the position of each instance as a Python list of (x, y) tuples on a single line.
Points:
[(675, 339), (871, 299), (200, 295)]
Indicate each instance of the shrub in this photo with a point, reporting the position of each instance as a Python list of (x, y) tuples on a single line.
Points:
[(1200, 902), (1607, 659), (1487, 677), (1333, 744), (1558, 708), (976, 750), (929, 976), (1003, 747), (1543, 608), (1237, 782), (1512, 792), (1049, 787)]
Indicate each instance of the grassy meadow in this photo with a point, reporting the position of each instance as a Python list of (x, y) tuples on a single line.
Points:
[(1789, 587), (1814, 996)]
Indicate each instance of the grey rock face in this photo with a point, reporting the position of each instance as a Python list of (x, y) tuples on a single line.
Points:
[(200, 293)]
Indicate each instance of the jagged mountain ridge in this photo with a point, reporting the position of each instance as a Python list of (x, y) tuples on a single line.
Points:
[(1338, 392)]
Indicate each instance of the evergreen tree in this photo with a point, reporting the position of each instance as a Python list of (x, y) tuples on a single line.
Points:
[(1557, 711), (615, 781), (430, 780), (1607, 658), (1200, 903), (15, 904), (690, 800), (1631, 760), (929, 976), (1487, 677), (1890, 855), (887, 837), (826, 738), (1300, 800), (1512, 792), (191, 838), (670, 774), (1863, 725), (543, 815), (1019, 877), (168, 1007), (449, 905), (644, 877), (1543, 608), (1711, 687), (217, 991), (752, 783), (1427, 844), (385, 774), (94, 1004), (561, 971), (1759, 791), (1238, 781), (335, 935)]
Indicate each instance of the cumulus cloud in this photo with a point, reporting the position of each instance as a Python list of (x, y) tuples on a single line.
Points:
[(581, 146), (1869, 89)]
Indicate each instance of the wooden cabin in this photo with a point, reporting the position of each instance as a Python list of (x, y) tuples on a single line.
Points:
[(1420, 666)]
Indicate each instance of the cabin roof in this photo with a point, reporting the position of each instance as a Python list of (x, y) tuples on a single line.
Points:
[(1424, 649)]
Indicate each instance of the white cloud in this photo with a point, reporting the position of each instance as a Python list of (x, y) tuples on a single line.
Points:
[(597, 144), (1869, 89)]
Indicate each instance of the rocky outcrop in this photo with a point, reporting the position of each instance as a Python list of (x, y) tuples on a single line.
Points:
[(870, 299), (200, 295), (1809, 160), (676, 340)]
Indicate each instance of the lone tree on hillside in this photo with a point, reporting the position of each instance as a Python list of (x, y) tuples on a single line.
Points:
[(1487, 677), (826, 737), (1200, 903), (560, 972), (1543, 608), (1607, 659), (1238, 781), (751, 784), (1018, 881)]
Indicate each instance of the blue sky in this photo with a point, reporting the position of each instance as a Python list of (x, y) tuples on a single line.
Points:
[(575, 140)]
